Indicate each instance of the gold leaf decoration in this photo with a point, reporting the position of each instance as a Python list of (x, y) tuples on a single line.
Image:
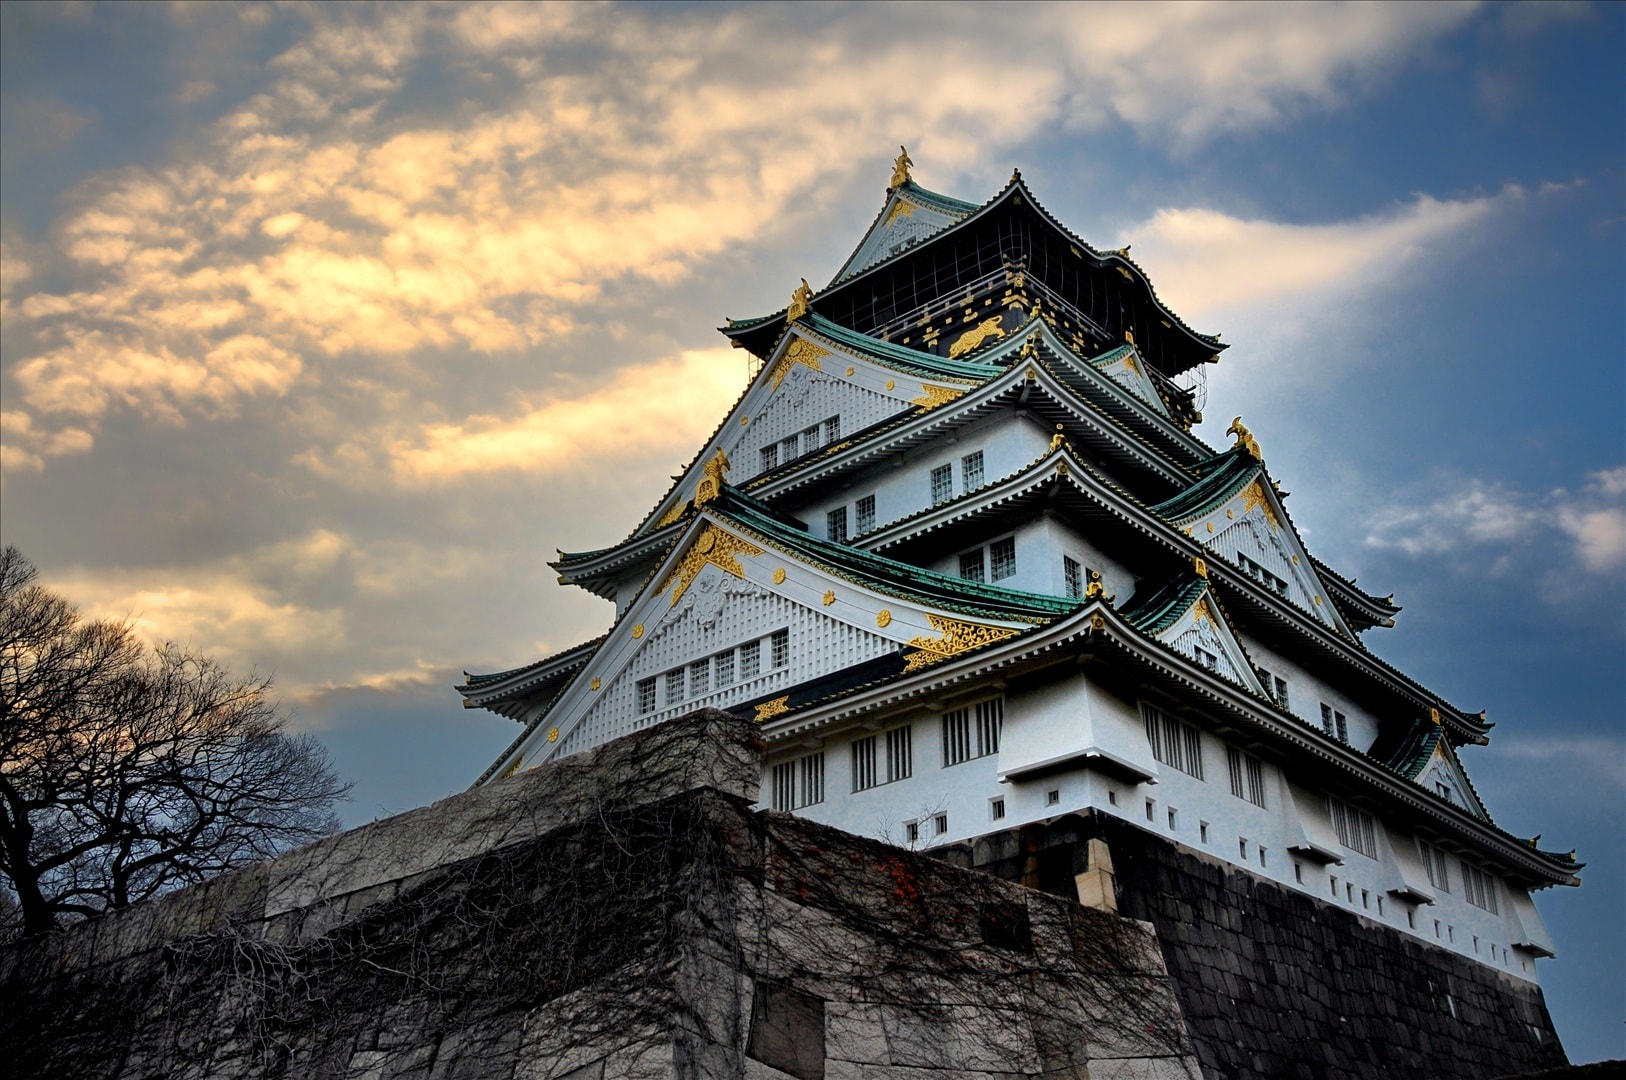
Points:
[(801, 351), (596, 683), (972, 338), (1201, 612), (891, 384), (933, 396), (957, 637), (883, 618), (674, 514), (829, 597), (713, 547), (779, 576), (1254, 495), (553, 734), (638, 631), (770, 709)]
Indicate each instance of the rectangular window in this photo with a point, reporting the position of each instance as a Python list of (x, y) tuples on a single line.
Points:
[(899, 754), (674, 686), (971, 471), (956, 737), (1174, 743), (864, 511), (799, 783), (990, 725), (1355, 828), (971, 565), (911, 831), (699, 677), (781, 648), (750, 659), (1434, 862), (832, 430), (942, 484), (835, 524), (942, 824), (770, 456), (1247, 776), (1275, 686), (810, 439), (784, 786), (1073, 575), (1053, 797), (864, 764), (812, 778), (790, 447), (722, 665), (1478, 887), (1206, 658), (646, 695), (1263, 576), (1334, 723), (996, 809), (1002, 558)]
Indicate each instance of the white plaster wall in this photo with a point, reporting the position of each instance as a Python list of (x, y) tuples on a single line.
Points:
[(1306, 692)]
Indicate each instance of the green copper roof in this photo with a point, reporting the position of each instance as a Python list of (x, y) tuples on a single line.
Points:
[(1222, 476), (889, 575), (1160, 609), (946, 203), (925, 361), (567, 660), (1414, 749)]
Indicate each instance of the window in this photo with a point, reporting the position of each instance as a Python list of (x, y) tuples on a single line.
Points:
[(1434, 862), (956, 737), (1478, 887), (810, 439), (963, 740), (941, 821), (1002, 558), (832, 430), (1334, 723), (1112, 796), (646, 695), (781, 648), (911, 831), (942, 484), (722, 666), (1174, 819), (971, 565), (835, 524), (1242, 846), (864, 511), (990, 725), (674, 686), (1151, 809), (1202, 831), (1263, 576), (1355, 828), (864, 764), (790, 447), (799, 783), (971, 471), (1262, 861), (1206, 658), (996, 809), (1275, 686), (770, 456), (1073, 576), (699, 677), (899, 754), (1174, 743), (1247, 776), (750, 659), (1053, 797)]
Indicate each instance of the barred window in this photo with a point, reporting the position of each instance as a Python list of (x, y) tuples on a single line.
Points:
[(972, 732), (835, 524), (699, 677), (942, 484), (1334, 723), (899, 754), (1274, 685), (770, 456), (784, 786), (1206, 658), (832, 430), (864, 763), (1073, 575), (971, 565), (781, 648), (674, 686), (1002, 558), (812, 778), (1355, 828), (810, 439), (646, 695), (750, 659), (1263, 576), (956, 737), (971, 471), (722, 666), (1434, 862), (1247, 776), (1174, 743), (798, 783), (864, 511), (1478, 887), (990, 725)]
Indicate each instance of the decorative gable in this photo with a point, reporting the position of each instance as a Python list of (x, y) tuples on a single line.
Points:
[(904, 222), (1125, 367), (1185, 616), (1444, 776)]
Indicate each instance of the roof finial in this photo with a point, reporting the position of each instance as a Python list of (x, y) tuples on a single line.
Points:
[(900, 169), (1016, 176), (1244, 439), (1057, 439), (711, 484), (799, 302)]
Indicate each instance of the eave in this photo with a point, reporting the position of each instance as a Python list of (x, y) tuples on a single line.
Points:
[(505, 692)]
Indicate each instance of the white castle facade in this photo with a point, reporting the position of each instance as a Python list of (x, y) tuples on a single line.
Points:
[(957, 551)]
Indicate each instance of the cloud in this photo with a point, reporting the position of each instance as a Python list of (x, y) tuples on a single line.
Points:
[(1488, 515)]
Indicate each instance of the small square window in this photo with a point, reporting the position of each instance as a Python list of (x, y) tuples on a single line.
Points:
[(1112, 796), (996, 809), (1151, 809), (1052, 797), (1174, 818), (911, 831), (1262, 861), (1366, 899), (1298, 873), (1242, 846), (942, 824), (1411, 919), (1202, 831)]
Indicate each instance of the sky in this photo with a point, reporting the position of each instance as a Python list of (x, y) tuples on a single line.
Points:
[(323, 327)]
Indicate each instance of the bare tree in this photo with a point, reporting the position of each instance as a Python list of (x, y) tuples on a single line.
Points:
[(126, 771)]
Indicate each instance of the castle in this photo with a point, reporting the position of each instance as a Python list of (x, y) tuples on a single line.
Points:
[(957, 552)]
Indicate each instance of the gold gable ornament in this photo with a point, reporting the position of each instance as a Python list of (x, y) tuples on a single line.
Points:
[(1200, 566), (900, 169), (972, 338), (711, 485), (957, 637), (1244, 439)]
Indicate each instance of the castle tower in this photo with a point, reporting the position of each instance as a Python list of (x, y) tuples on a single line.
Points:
[(957, 551)]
